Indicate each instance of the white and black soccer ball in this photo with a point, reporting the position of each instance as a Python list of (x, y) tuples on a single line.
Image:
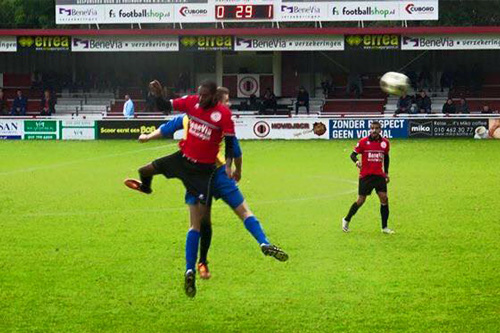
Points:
[(395, 83)]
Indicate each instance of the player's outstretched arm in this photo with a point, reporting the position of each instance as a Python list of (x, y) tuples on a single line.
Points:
[(165, 130)]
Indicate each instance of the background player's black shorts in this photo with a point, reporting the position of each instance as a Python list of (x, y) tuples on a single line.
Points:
[(196, 177), (368, 183)]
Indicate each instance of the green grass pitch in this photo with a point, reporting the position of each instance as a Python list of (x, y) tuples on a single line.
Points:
[(79, 252)]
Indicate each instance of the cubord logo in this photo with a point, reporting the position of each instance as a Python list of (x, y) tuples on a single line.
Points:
[(186, 11)]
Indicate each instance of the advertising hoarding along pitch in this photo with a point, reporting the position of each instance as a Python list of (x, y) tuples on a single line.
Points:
[(210, 11)]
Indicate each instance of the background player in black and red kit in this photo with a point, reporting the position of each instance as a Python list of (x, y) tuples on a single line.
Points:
[(194, 163), (374, 174)]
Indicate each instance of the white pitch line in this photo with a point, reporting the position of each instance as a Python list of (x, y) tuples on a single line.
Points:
[(168, 209), (58, 165)]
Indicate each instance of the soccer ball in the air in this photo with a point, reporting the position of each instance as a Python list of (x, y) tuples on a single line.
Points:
[(395, 83)]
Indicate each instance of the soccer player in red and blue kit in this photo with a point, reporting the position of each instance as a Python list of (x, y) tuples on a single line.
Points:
[(374, 174), (194, 163)]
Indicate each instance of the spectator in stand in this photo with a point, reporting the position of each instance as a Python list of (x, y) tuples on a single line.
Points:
[(48, 104), (327, 87), (19, 105), (404, 104), (269, 100), (486, 109), (3, 104), (253, 103), (425, 79), (302, 100), (446, 80), (463, 107), (423, 103), (354, 83), (128, 108), (449, 107)]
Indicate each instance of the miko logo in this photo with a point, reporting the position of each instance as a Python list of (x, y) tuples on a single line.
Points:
[(421, 129), (412, 9), (79, 42)]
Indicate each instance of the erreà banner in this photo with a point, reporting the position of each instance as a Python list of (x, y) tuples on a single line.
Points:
[(125, 43), (206, 43), (289, 43), (359, 128), (450, 42), (44, 43), (372, 42)]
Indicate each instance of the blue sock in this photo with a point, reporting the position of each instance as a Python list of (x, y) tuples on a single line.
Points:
[(192, 241), (253, 226)]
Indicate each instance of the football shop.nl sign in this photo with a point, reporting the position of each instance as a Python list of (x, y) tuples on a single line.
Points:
[(359, 128), (211, 11)]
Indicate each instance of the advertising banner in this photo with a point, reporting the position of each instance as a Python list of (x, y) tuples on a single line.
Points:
[(8, 44), (206, 43), (281, 128), (359, 128), (124, 43), (289, 43), (77, 130), (11, 129), (248, 85), (126, 129), (450, 42), (211, 11), (372, 42), (449, 128), (44, 43), (41, 129)]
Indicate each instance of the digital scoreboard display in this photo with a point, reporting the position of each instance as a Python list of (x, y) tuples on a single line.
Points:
[(213, 11), (244, 12)]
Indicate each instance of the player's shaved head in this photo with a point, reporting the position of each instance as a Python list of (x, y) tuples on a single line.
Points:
[(208, 92)]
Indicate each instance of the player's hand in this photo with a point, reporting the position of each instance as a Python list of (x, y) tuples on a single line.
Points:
[(237, 175), (229, 171), (358, 164), (387, 179), (143, 138)]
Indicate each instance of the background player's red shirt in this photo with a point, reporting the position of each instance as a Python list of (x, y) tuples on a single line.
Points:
[(372, 152), (206, 128)]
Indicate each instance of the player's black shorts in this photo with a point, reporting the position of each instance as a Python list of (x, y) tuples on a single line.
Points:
[(196, 177), (370, 182)]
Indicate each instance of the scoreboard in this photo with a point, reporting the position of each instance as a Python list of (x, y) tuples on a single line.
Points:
[(211, 11)]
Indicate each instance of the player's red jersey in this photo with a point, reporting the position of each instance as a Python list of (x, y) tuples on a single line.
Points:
[(206, 128), (372, 152)]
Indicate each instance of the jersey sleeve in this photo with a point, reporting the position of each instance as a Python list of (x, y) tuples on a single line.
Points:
[(182, 104), (227, 123), (388, 147), (359, 147)]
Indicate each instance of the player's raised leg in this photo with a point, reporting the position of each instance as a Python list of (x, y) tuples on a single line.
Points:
[(352, 211), (146, 174), (253, 226)]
